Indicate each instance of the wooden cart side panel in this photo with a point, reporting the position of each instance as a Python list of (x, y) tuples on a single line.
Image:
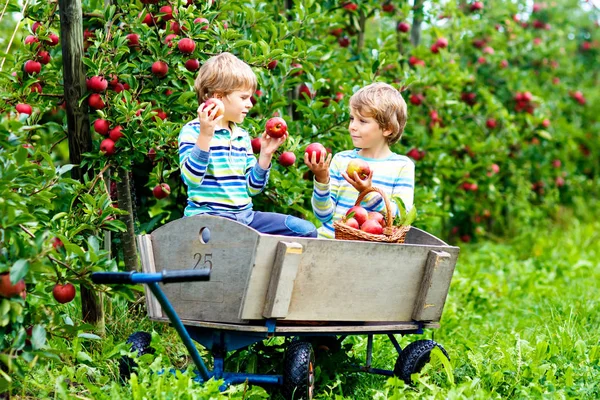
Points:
[(355, 281), (147, 256), (228, 252), (435, 285), (434, 258), (281, 284), (418, 236)]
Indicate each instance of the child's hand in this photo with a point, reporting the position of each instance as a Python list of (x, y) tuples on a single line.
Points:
[(269, 145), (321, 168), (359, 184), (206, 116)]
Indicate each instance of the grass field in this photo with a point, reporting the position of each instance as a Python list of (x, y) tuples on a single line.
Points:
[(521, 321)]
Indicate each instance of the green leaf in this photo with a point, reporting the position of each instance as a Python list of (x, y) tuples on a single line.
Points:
[(90, 336), (19, 270), (38, 337)]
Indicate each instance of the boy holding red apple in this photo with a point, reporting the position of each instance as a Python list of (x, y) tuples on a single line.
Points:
[(216, 159), (378, 116)]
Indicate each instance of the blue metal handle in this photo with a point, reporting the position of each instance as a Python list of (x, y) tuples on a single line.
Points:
[(132, 278)]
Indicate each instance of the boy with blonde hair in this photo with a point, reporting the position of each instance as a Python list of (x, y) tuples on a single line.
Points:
[(378, 116), (215, 155)]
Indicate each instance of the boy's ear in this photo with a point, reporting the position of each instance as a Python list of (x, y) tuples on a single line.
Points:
[(387, 132)]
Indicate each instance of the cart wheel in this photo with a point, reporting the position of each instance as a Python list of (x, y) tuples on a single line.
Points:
[(299, 371), (414, 357), (140, 342)]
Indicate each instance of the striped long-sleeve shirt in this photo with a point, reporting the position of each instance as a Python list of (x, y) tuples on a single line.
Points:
[(222, 179), (395, 175)]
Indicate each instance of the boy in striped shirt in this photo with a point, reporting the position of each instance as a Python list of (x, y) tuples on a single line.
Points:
[(377, 119), (215, 155)]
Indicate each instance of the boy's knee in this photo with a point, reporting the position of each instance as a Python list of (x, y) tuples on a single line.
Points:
[(301, 227)]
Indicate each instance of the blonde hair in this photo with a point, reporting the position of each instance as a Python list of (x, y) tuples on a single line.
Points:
[(385, 104), (223, 73)]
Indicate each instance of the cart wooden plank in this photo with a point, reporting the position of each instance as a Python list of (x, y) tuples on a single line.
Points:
[(281, 284)]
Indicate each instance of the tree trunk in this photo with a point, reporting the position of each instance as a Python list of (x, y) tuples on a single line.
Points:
[(78, 124), (362, 22), (415, 31), (128, 237)]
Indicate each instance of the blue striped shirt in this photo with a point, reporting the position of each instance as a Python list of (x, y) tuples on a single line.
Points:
[(395, 175), (222, 179)]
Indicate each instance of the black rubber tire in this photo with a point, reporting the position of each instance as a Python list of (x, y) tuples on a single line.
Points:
[(414, 357), (140, 342), (298, 372)]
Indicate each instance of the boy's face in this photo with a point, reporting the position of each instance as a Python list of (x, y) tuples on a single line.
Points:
[(366, 132), (237, 104)]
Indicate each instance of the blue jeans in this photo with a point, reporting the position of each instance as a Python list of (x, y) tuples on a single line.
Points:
[(273, 223)]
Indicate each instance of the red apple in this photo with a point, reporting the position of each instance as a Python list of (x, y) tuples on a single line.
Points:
[(101, 126), (416, 99), (387, 7), (160, 69), (64, 293), (35, 26), (414, 153), (107, 147), (152, 154), (7, 289), (186, 46), (43, 57), (161, 191), (204, 22), (304, 89), (115, 133), (57, 243), (36, 87), (546, 123), (53, 38), (403, 27), (95, 101), (30, 39), (276, 127), (372, 226), (168, 11), (491, 123), (556, 163), (218, 105), (352, 223), (441, 43), (255, 145), (360, 214), (272, 64), (192, 65), (161, 114), (169, 39), (350, 6), (344, 41), (477, 6), (317, 148), (133, 40), (361, 167), (97, 84), (23, 108), (298, 67), (377, 216), (287, 158), (32, 67)]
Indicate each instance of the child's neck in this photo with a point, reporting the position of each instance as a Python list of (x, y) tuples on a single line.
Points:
[(222, 124), (377, 152)]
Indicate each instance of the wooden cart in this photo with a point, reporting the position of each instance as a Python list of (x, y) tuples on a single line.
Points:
[(265, 285)]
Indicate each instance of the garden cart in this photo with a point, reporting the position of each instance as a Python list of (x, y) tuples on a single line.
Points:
[(228, 286)]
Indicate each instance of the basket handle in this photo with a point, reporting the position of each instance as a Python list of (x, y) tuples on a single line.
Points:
[(388, 208)]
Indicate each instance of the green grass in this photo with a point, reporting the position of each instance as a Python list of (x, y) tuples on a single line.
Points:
[(520, 322)]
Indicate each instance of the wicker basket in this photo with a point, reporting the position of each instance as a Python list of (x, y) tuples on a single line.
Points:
[(391, 234)]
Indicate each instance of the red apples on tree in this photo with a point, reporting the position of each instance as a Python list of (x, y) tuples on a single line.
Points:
[(64, 293), (161, 191), (287, 159)]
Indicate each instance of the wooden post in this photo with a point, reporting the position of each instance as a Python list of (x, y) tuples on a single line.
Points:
[(78, 123)]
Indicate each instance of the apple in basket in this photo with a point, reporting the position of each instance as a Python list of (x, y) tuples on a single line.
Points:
[(377, 216), (372, 226), (360, 214), (352, 223)]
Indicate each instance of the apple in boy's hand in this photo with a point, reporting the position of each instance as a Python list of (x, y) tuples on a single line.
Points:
[(361, 167), (276, 127), (360, 214), (372, 226), (315, 148), (218, 105), (376, 216)]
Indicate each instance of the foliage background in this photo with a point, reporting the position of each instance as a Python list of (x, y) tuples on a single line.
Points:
[(488, 166)]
